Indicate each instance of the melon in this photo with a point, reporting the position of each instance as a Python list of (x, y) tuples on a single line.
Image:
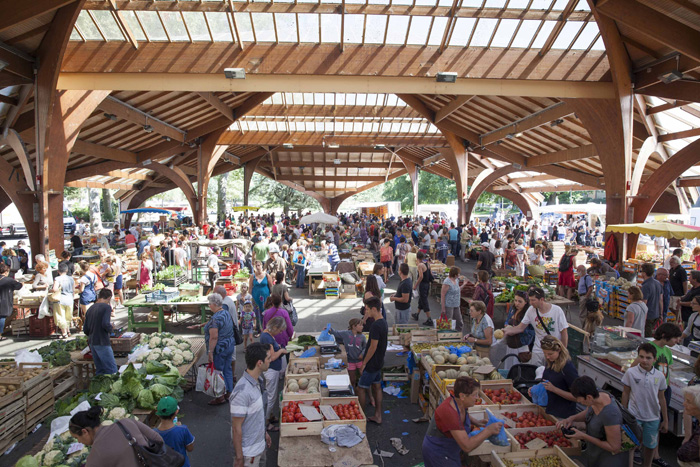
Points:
[(439, 359), (313, 382), (498, 334), (303, 383), (463, 373), (464, 368), (313, 390), (301, 371), (471, 360), (442, 374), (293, 386), (461, 361), (452, 358)]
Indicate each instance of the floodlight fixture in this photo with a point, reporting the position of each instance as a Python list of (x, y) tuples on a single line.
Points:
[(446, 77), (234, 73), (109, 116), (671, 76), (148, 128)]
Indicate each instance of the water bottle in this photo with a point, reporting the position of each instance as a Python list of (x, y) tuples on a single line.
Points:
[(333, 443)]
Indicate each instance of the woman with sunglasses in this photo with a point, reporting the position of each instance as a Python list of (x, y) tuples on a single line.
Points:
[(559, 374)]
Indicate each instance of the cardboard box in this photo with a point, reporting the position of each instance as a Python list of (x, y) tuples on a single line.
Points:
[(415, 386), (450, 261)]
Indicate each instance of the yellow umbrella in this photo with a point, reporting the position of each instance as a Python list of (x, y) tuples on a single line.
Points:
[(658, 229)]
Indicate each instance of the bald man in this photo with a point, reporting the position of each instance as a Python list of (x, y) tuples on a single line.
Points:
[(585, 291)]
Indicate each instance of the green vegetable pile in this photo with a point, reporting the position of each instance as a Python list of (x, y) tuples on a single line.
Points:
[(170, 272), (152, 288), (186, 299), (57, 353), (505, 297), (242, 275), (306, 340)]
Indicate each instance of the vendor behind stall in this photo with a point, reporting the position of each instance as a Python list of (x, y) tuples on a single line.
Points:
[(7, 286), (448, 432), (481, 334)]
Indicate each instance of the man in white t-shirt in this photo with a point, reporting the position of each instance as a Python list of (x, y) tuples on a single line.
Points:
[(552, 316)]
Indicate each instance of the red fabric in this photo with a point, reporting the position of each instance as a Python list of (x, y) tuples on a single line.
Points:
[(447, 418), (611, 252), (205, 229), (566, 278), (145, 276)]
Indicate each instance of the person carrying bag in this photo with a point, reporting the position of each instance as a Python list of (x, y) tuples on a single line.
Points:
[(154, 454)]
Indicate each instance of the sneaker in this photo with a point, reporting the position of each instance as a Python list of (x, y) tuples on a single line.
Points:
[(637, 458), (429, 322), (414, 316), (660, 463)]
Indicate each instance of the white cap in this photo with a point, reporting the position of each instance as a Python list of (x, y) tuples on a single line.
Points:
[(273, 248)]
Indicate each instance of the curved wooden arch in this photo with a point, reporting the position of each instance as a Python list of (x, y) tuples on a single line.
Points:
[(654, 187), (487, 181), (522, 202), (177, 176), (140, 197), (649, 148), (17, 191)]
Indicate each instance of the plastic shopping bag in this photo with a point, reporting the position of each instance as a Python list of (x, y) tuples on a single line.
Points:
[(539, 395), (500, 438), (210, 381)]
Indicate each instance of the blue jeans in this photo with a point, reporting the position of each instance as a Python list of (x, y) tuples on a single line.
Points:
[(103, 357), (222, 362), (301, 275), (2, 325), (77, 251)]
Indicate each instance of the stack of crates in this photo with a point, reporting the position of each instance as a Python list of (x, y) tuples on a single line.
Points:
[(604, 294), (622, 300)]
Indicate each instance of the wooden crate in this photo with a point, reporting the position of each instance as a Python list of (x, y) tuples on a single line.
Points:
[(12, 420), (396, 377), (300, 429), (506, 384), (361, 424), (20, 327), (575, 450), (423, 335), (520, 409), (123, 345), (12, 431), (518, 457), (440, 382), (299, 396), (314, 363), (486, 448), (84, 371), (40, 401), (65, 386), (449, 336)]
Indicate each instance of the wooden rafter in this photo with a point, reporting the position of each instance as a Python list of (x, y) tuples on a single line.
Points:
[(17, 12), (558, 26), (451, 107), (542, 117), (217, 103), (127, 112)]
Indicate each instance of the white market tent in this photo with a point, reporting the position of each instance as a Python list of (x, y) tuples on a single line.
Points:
[(318, 218)]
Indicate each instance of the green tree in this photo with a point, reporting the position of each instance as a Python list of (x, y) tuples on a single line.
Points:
[(432, 189), (269, 194)]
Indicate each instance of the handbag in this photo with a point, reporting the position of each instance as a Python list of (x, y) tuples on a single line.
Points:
[(213, 383), (154, 454), (55, 297)]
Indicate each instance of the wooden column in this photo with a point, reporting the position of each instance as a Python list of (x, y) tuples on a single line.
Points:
[(248, 171), (69, 112), (209, 154), (457, 158), (12, 182), (413, 173)]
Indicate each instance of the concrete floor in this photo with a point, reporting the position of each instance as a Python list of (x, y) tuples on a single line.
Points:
[(211, 425)]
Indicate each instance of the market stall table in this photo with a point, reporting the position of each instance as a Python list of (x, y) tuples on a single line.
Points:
[(500, 308), (140, 302), (310, 451)]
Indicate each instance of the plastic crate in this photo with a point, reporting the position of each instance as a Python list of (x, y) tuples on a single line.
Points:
[(41, 327)]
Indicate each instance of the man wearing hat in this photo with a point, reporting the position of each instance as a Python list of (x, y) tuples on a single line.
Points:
[(174, 434), (275, 262), (485, 259)]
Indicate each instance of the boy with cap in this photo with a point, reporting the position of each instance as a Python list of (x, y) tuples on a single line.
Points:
[(175, 435)]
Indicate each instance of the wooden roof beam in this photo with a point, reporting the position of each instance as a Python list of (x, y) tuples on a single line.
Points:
[(679, 135), (667, 106), (112, 105), (330, 164), (547, 189), (17, 12), (688, 182), (648, 75), (539, 118), (190, 82), (451, 107), (128, 175), (657, 27), (371, 111), (331, 178), (565, 155), (278, 138), (99, 185), (217, 104), (104, 152), (561, 21)]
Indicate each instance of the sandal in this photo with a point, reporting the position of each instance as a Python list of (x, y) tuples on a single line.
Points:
[(218, 401)]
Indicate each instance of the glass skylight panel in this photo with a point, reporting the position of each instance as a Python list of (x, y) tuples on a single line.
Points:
[(308, 27), (495, 3), (483, 32), (471, 3), (286, 27), (87, 27), (319, 99), (348, 127), (264, 27), (599, 45), (109, 26), (398, 26), (392, 100), (371, 100), (567, 34), (418, 34), (308, 98), (402, 2), (297, 98), (432, 128), (74, 36), (589, 33), (519, 4), (544, 34), (560, 4), (245, 28), (353, 28), (350, 99), (354, 2), (197, 26), (426, 2), (374, 32), (582, 6), (366, 127), (360, 99), (340, 99), (504, 33), (378, 2), (540, 4), (525, 33), (438, 30), (330, 28), (462, 31), (129, 17), (220, 29), (176, 27)]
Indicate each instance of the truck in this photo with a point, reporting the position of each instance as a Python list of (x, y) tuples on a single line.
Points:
[(69, 223)]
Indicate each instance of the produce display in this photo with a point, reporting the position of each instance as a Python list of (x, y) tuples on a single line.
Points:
[(528, 419), (305, 385), (241, 275), (152, 288), (292, 414), (622, 283), (546, 461), (12, 371), (165, 347), (505, 297), (306, 340), (303, 369), (502, 396), (57, 353), (552, 438), (170, 272), (349, 411), (188, 299)]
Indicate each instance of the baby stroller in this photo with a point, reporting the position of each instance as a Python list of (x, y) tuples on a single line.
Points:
[(523, 375)]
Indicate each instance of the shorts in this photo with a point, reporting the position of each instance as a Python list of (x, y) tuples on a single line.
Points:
[(387, 264), (119, 282), (650, 433), (423, 293), (368, 379), (354, 366)]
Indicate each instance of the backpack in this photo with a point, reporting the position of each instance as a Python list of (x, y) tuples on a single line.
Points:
[(565, 263)]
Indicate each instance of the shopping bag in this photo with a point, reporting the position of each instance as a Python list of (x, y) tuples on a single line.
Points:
[(214, 384), (539, 395)]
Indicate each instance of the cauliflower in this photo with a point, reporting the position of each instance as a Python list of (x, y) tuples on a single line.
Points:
[(40, 457), (154, 342), (167, 351), (49, 445), (54, 457), (107, 422), (117, 413), (178, 359), (170, 343), (177, 352), (65, 436), (153, 357), (140, 358), (187, 356), (184, 346)]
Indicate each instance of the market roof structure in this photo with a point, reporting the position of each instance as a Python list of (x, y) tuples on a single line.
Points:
[(340, 96)]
